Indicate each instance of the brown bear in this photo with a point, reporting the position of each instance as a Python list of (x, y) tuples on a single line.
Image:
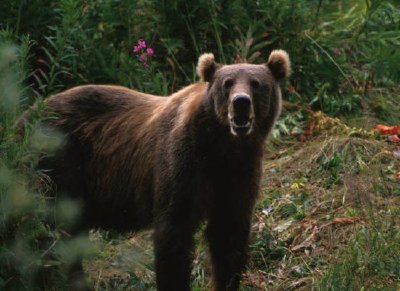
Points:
[(136, 160)]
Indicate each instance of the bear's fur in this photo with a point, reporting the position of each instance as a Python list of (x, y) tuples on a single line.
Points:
[(136, 160)]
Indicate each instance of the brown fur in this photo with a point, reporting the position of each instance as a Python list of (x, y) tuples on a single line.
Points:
[(136, 160)]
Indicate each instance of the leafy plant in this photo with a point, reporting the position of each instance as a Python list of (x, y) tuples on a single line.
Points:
[(265, 249), (32, 241)]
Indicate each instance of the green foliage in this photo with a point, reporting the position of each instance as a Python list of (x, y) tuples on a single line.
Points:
[(267, 249), (61, 63), (117, 283), (369, 263), (337, 53), (33, 250)]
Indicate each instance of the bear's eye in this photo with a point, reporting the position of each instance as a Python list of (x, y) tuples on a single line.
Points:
[(228, 83), (255, 84)]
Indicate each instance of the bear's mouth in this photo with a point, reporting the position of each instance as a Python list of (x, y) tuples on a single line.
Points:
[(241, 125)]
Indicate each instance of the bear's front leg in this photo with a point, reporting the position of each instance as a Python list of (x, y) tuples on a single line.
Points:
[(173, 243), (228, 238)]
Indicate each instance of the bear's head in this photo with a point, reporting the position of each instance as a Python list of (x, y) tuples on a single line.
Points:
[(245, 97)]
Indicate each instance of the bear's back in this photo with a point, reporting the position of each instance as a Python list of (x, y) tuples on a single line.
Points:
[(113, 138), (87, 103)]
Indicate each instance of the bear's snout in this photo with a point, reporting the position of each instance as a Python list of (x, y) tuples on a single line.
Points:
[(241, 108), (241, 118)]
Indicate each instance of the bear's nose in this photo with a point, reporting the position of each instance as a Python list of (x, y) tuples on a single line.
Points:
[(241, 104)]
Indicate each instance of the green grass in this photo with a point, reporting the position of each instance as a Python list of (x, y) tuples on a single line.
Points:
[(369, 262)]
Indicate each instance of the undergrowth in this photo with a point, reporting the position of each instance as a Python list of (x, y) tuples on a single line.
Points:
[(369, 262), (323, 224)]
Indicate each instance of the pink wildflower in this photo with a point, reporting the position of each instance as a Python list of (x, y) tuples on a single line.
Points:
[(142, 43), (143, 52), (136, 49), (150, 51)]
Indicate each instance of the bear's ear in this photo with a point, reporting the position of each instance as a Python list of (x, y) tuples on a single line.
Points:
[(206, 67), (279, 64)]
